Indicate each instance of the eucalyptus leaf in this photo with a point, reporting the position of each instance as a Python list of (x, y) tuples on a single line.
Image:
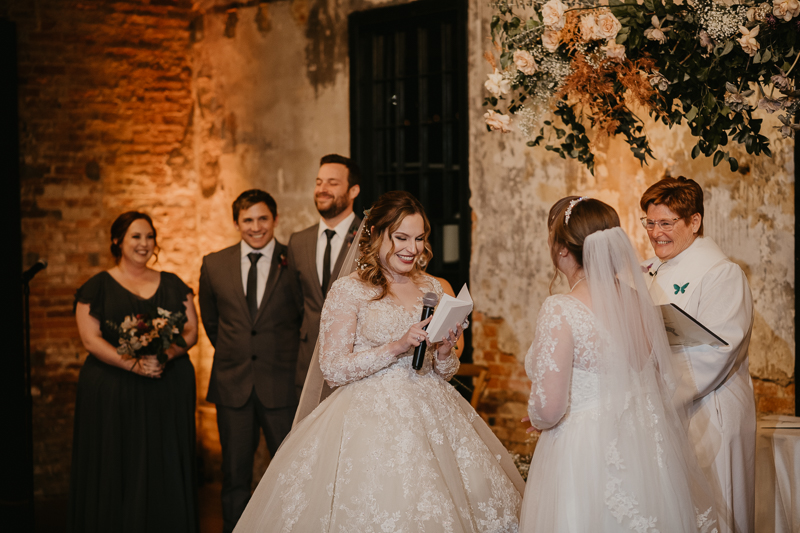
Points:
[(727, 49), (718, 157)]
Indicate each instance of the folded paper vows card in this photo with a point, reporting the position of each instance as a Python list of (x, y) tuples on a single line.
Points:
[(449, 314)]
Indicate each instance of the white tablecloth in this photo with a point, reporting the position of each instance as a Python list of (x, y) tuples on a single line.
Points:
[(778, 474)]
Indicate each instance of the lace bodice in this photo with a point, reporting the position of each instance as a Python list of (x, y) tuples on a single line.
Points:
[(356, 331), (562, 362)]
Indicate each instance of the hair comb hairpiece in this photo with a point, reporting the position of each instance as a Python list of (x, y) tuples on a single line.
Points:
[(569, 209)]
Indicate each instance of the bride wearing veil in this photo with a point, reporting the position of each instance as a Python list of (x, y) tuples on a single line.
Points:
[(391, 449), (614, 453)]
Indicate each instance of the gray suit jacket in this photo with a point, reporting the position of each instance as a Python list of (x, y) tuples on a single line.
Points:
[(260, 353), (303, 265)]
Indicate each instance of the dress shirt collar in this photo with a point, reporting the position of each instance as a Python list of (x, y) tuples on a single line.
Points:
[(340, 229), (266, 251)]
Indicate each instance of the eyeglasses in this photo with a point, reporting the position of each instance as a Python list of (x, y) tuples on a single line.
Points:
[(665, 225)]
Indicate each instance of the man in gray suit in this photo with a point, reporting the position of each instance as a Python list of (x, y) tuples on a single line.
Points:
[(316, 253), (251, 310)]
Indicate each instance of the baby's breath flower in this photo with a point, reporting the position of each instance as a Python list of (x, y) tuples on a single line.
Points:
[(719, 20)]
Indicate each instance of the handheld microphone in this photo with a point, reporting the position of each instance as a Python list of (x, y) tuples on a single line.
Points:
[(429, 301), (37, 267)]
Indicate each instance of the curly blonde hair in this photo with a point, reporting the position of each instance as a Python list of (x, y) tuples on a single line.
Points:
[(385, 216)]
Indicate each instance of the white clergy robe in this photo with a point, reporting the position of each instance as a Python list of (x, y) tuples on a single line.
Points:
[(702, 281)]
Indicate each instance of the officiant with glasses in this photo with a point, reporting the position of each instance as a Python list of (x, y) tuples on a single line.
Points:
[(690, 271)]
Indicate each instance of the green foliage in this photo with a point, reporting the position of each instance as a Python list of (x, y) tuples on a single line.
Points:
[(695, 92)]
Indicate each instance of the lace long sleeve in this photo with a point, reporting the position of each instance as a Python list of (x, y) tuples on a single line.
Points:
[(549, 366), (446, 368), (340, 361)]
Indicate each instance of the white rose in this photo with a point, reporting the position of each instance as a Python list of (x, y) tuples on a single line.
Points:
[(748, 40), (525, 62), (553, 13), (608, 26), (497, 121), (656, 33), (785, 9), (551, 39), (497, 84), (589, 29), (614, 51)]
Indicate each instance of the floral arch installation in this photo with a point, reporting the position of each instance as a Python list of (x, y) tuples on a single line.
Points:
[(704, 63)]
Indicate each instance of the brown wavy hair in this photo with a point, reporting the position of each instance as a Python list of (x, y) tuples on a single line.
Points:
[(588, 216), (385, 216), (683, 196)]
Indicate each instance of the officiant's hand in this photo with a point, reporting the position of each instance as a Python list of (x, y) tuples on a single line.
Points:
[(448, 342), (414, 336)]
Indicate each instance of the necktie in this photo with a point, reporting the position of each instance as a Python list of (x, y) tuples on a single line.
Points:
[(252, 284), (326, 263)]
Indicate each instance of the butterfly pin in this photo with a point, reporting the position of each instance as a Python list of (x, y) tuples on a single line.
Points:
[(679, 289)]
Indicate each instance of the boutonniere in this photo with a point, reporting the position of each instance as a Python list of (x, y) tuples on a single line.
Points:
[(679, 288), (646, 269), (351, 236), (284, 263)]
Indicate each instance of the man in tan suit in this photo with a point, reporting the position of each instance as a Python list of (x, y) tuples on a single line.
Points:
[(251, 310), (316, 253)]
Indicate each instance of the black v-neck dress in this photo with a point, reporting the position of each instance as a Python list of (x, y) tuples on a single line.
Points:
[(133, 451)]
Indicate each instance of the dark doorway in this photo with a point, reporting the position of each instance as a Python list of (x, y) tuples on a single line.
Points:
[(408, 118)]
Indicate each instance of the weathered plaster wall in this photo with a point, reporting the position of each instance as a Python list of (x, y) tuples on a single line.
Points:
[(271, 93), (749, 213)]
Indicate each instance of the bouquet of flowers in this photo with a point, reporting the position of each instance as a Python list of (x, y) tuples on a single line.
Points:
[(707, 63), (150, 333)]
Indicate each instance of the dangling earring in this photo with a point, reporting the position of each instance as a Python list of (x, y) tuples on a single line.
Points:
[(422, 262)]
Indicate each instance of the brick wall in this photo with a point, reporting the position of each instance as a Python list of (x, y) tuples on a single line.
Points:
[(105, 123)]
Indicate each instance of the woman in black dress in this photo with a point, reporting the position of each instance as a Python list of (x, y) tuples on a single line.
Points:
[(133, 456)]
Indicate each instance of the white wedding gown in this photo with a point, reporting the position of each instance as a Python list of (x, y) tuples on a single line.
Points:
[(600, 466), (391, 450)]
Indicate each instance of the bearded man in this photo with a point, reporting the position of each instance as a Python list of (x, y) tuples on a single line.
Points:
[(317, 252)]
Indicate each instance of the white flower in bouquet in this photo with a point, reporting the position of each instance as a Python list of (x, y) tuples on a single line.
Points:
[(785, 9), (497, 121), (614, 51), (553, 14), (525, 62), (497, 84), (608, 26), (551, 39), (164, 313), (159, 323), (656, 33), (748, 40), (589, 29), (129, 323)]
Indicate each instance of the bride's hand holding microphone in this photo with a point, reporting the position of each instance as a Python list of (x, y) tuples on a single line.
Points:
[(415, 336)]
